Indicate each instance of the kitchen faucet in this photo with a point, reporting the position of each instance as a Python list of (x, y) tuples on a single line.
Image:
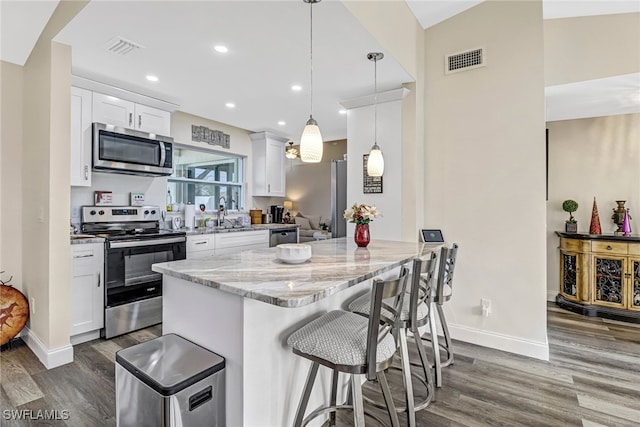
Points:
[(221, 209)]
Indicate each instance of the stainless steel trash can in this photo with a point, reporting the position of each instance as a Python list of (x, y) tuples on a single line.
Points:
[(169, 381)]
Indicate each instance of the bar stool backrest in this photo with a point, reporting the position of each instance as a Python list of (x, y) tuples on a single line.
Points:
[(381, 324), (422, 284), (445, 273)]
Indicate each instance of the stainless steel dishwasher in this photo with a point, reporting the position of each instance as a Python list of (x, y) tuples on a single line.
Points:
[(283, 235)]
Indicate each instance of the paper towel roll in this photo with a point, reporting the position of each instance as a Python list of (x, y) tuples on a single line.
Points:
[(190, 216)]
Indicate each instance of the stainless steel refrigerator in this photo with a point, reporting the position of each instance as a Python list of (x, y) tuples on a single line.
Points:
[(338, 197)]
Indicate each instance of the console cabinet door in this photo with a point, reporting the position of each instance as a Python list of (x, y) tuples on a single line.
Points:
[(608, 281), (633, 276), (87, 288), (569, 274)]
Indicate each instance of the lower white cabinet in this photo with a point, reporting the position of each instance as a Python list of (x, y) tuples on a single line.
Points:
[(228, 243), (87, 288), (200, 246)]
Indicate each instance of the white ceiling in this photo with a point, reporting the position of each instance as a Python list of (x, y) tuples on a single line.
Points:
[(268, 45)]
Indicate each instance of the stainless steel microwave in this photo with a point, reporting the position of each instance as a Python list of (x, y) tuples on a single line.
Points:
[(128, 151)]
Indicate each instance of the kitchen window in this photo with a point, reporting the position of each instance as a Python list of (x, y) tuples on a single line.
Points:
[(206, 177)]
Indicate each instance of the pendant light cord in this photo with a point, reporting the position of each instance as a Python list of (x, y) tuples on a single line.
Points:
[(311, 56), (375, 101)]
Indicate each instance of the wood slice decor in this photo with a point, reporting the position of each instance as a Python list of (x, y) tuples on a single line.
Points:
[(14, 312)]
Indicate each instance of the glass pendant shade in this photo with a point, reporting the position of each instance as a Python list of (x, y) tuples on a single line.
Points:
[(311, 143), (375, 161)]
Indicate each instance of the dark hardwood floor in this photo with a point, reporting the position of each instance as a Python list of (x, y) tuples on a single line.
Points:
[(591, 380)]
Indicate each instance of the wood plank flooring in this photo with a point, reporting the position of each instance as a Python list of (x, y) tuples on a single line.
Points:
[(591, 380)]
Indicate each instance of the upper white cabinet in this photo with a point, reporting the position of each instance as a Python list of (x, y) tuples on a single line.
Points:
[(80, 137), (268, 164), (122, 113)]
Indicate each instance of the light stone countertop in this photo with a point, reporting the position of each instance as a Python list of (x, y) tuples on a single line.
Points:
[(253, 227), (335, 265), (80, 239)]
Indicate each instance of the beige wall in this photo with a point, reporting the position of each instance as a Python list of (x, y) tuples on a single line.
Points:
[(485, 172), (11, 95), (591, 47), (597, 157), (46, 178)]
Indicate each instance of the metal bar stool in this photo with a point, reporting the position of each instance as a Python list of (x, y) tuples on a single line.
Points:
[(349, 343), (444, 290), (415, 313)]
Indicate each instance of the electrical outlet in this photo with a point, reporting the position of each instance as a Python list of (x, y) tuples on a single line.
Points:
[(486, 307), (32, 305), (75, 212)]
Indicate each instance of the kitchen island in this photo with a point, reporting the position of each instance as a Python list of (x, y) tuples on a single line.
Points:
[(244, 306)]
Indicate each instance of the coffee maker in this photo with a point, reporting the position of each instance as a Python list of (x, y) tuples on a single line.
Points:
[(276, 213)]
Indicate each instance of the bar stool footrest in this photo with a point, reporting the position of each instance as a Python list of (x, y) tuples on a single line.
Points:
[(335, 408)]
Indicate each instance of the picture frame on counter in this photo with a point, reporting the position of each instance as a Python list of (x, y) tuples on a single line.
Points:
[(137, 199), (103, 198)]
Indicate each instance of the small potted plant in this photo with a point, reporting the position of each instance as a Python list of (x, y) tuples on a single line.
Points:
[(571, 225)]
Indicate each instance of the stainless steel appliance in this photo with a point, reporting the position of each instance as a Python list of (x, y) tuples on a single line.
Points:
[(276, 213), (134, 242), (338, 197), (169, 381), (288, 235), (121, 150)]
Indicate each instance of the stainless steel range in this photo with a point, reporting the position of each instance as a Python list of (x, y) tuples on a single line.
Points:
[(134, 241)]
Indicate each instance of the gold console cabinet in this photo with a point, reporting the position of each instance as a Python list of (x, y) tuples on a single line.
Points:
[(600, 275)]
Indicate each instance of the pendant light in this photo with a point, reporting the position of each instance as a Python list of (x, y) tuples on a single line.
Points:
[(311, 140), (375, 161)]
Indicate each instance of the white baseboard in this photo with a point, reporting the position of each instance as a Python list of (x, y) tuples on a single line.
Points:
[(535, 349), (84, 337), (49, 358), (551, 295)]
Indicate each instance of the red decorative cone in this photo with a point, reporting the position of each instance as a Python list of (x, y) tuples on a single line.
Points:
[(595, 228)]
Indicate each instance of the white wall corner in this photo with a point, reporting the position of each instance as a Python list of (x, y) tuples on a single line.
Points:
[(535, 349), (551, 295), (50, 358)]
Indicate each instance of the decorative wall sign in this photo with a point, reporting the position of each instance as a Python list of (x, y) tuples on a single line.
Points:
[(370, 184), (212, 137)]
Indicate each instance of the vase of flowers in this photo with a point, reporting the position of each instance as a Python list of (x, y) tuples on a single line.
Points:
[(361, 215)]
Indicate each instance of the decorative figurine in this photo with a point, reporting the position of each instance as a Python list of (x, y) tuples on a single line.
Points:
[(618, 215), (595, 228), (626, 226)]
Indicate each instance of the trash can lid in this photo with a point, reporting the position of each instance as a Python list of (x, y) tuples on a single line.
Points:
[(170, 363)]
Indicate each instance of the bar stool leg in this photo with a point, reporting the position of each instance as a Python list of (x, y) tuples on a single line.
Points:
[(302, 407), (358, 403), (434, 344), (426, 368), (447, 337), (334, 392), (406, 376), (388, 399)]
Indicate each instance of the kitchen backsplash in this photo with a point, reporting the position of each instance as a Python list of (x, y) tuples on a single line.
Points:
[(121, 186)]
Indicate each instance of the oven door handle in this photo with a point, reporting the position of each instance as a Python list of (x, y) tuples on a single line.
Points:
[(150, 242)]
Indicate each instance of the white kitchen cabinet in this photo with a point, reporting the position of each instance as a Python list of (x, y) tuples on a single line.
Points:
[(268, 164), (87, 288), (122, 113), (81, 100), (200, 246), (233, 242)]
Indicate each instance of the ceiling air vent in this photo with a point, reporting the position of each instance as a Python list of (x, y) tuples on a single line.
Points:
[(121, 46), (462, 61)]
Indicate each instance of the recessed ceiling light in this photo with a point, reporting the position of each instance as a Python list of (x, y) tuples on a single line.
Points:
[(297, 88), (221, 49), (230, 105), (343, 111), (152, 78), (282, 123)]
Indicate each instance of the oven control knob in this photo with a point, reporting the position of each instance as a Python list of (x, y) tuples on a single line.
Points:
[(146, 212), (92, 213), (153, 212), (100, 212)]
